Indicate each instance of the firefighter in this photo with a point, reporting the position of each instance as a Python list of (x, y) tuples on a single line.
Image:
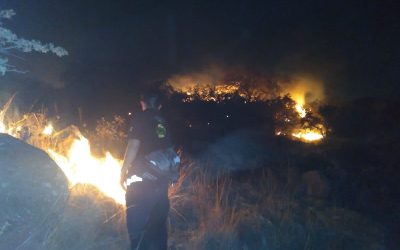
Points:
[(150, 163)]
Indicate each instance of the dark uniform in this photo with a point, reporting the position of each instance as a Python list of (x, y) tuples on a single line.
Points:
[(147, 200)]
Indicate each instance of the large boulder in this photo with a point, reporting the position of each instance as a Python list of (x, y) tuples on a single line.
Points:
[(33, 194), (38, 211)]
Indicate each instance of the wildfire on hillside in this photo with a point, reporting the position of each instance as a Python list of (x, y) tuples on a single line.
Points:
[(309, 126), (220, 92), (301, 90), (71, 150)]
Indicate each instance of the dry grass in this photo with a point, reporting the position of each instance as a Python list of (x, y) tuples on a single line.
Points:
[(208, 211), (90, 221), (213, 212), (259, 212)]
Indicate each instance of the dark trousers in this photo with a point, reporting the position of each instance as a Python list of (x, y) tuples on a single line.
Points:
[(146, 215)]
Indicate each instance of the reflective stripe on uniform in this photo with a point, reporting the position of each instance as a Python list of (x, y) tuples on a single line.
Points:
[(132, 179)]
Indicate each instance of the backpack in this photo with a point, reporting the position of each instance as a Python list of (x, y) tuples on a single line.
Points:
[(164, 163)]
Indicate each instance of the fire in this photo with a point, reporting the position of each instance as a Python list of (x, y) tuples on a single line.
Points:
[(213, 86), (212, 93), (308, 135), (304, 90), (78, 163), (48, 130), (2, 127), (302, 112), (80, 166)]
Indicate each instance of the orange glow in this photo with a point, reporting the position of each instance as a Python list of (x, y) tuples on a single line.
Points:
[(305, 90), (211, 87), (80, 166), (78, 163), (48, 130), (210, 93), (302, 112), (308, 135), (2, 127)]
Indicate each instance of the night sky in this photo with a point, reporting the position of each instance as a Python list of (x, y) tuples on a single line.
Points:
[(118, 46)]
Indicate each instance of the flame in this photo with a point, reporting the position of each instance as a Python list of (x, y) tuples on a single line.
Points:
[(300, 110), (48, 130), (308, 135), (80, 166), (6, 130), (212, 86), (305, 90), (212, 93), (2, 127)]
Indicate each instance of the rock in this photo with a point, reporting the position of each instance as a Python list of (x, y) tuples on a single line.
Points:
[(38, 211), (33, 195)]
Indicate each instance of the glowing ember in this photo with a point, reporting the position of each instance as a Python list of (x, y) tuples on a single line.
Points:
[(211, 93), (308, 136), (48, 130), (218, 92), (80, 166), (302, 112)]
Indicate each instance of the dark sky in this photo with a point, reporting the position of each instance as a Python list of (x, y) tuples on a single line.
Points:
[(117, 46)]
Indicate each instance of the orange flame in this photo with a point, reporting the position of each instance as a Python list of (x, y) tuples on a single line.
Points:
[(48, 130), (210, 88), (304, 90), (2, 127), (79, 165), (308, 135)]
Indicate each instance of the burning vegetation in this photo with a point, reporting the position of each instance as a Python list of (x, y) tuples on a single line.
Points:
[(266, 209), (70, 150), (294, 116)]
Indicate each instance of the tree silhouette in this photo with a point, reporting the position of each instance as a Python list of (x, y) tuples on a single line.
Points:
[(10, 42)]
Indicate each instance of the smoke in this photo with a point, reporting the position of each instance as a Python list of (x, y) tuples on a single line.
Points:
[(304, 89), (207, 77), (225, 81)]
